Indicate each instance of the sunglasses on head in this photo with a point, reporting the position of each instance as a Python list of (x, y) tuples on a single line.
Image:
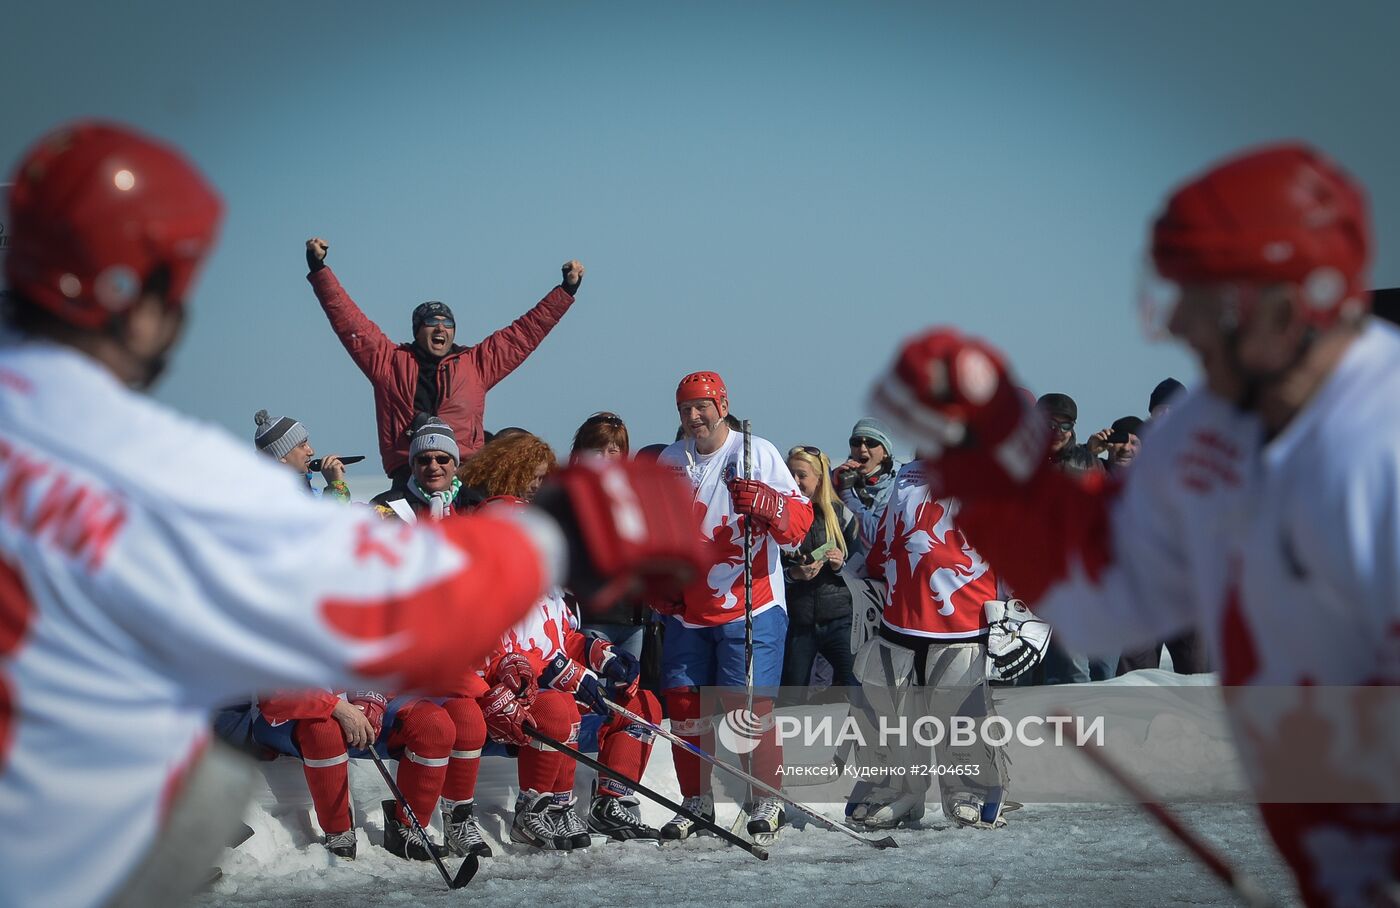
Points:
[(441, 460), (606, 419), (806, 449), (1066, 425), (858, 441)]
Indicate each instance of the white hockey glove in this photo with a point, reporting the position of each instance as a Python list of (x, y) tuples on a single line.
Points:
[(1016, 640)]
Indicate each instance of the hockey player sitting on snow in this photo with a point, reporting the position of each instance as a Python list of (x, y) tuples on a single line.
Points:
[(135, 595), (324, 730), (431, 374), (433, 491), (864, 480), (286, 441), (704, 632), (577, 671), (929, 659), (1263, 511)]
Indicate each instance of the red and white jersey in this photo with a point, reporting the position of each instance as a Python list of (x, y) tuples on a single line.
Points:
[(718, 598), (546, 629), (137, 592), (937, 583), (1286, 553)]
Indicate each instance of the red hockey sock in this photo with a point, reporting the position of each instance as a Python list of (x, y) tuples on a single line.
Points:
[(422, 740), (542, 769), (766, 760), (626, 746), (325, 762), (683, 705), (465, 759)]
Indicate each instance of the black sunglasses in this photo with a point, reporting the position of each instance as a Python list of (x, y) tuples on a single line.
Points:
[(1065, 426), (808, 449), (607, 419), (441, 460), (861, 440)]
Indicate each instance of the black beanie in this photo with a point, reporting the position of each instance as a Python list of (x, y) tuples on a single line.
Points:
[(1166, 389), (424, 312), (1059, 405)]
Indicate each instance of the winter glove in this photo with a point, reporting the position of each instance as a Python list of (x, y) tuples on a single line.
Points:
[(516, 672), (506, 715), (372, 704), (563, 673), (618, 666), (316, 250), (1016, 639), (761, 503), (630, 529), (572, 272)]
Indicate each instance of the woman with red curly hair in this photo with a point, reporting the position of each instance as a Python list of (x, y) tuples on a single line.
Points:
[(514, 464)]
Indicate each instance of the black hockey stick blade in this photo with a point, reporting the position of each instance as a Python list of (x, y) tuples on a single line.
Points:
[(887, 842), (465, 873), (452, 883)]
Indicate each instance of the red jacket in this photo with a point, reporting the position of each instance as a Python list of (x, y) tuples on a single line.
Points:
[(464, 375)]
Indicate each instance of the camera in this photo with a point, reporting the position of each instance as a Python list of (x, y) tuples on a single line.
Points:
[(1118, 438)]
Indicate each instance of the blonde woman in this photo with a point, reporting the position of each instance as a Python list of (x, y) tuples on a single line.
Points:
[(818, 600)]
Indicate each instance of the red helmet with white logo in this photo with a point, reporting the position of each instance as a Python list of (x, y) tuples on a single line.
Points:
[(701, 385), (1283, 214), (95, 210)]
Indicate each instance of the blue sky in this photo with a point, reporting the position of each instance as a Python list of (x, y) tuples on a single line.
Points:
[(776, 191)]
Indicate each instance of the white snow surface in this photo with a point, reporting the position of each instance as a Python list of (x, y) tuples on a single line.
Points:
[(1049, 854)]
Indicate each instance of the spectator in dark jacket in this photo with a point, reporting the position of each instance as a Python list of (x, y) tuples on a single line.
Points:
[(1163, 397), (1121, 442), (431, 374), (818, 600), (433, 491), (1065, 452)]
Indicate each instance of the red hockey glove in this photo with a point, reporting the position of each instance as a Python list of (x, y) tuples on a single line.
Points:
[(955, 396), (631, 529), (515, 672), (563, 673), (761, 503), (372, 704), (506, 715)]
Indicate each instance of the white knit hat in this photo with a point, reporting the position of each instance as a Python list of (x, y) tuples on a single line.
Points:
[(277, 437)]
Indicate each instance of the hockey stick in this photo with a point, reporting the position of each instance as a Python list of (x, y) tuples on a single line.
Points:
[(1244, 886), (469, 866), (742, 820), (664, 801), (748, 574), (820, 819)]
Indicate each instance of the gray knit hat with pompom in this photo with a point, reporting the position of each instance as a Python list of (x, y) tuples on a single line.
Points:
[(277, 437)]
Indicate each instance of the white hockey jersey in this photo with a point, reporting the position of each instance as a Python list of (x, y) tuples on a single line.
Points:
[(719, 599), (151, 567)]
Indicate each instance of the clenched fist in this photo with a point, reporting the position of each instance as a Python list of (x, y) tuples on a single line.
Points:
[(316, 249), (573, 276)]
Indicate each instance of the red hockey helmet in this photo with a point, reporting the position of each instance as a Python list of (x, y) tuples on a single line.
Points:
[(701, 385), (95, 210), (1283, 214)]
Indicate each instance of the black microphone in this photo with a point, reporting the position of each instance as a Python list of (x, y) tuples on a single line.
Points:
[(315, 465)]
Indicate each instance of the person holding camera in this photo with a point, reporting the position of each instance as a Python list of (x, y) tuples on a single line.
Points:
[(818, 600), (864, 481), (1122, 442), (286, 440)]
